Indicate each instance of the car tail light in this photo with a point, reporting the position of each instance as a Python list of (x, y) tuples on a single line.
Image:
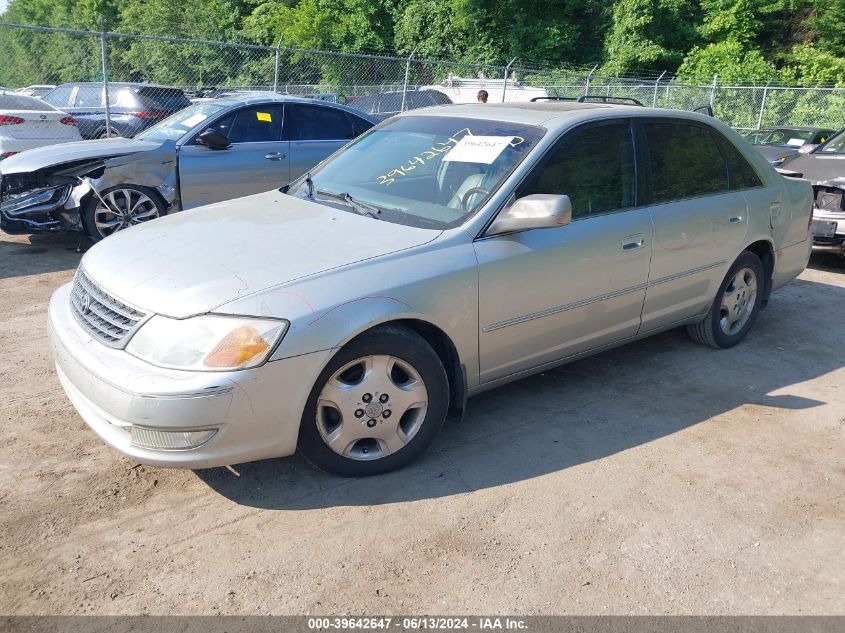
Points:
[(7, 154), (68, 120), (153, 114), (10, 120)]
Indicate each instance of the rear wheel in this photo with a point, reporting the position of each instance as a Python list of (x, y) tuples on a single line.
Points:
[(376, 406), (735, 307), (119, 208)]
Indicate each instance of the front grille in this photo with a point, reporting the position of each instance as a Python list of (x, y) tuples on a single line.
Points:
[(103, 316)]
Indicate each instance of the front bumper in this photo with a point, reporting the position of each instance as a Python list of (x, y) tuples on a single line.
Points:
[(256, 412)]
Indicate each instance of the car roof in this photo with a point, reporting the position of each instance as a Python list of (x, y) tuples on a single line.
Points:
[(257, 98), (551, 114), (121, 84), (800, 128)]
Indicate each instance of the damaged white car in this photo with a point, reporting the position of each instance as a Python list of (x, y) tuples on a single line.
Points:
[(206, 153)]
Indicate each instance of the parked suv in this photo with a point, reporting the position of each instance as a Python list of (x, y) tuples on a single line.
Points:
[(441, 254), (133, 107)]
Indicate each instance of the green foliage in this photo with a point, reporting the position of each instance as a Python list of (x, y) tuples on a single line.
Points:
[(648, 35), (796, 41), (730, 60)]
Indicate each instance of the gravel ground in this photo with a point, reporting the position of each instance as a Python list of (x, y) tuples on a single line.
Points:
[(661, 477)]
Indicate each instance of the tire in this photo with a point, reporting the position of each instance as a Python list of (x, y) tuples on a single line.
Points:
[(735, 307), (104, 134), (364, 386), (111, 204)]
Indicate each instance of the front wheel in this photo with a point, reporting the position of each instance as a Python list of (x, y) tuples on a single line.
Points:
[(735, 307), (119, 208), (376, 406)]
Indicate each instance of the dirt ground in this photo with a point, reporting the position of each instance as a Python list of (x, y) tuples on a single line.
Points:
[(661, 477)]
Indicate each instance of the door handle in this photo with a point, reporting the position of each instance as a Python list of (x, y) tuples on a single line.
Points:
[(632, 242), (274, 156), (737, 219)]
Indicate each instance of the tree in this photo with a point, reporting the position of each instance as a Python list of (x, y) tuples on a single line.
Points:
[(648, 35)]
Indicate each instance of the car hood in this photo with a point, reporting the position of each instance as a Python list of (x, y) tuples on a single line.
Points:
[(34, 159), (771, 152), (817, 167), (194, 261)]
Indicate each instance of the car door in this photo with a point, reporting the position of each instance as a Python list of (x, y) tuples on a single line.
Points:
[(257, 159), (546, 294), (315, 132), (699, 222)]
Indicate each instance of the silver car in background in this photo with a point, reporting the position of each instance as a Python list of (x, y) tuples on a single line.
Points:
[(445, 252), (205, 153), (824, 167)]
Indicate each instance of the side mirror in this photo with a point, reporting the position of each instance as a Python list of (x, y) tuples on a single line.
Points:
[(537, 211), (213, 140)]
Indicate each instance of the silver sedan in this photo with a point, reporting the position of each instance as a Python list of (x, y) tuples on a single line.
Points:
[(443, 253), (207, 152)]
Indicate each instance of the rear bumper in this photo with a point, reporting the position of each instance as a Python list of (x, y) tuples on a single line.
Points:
[(255, 414), (791, 262)]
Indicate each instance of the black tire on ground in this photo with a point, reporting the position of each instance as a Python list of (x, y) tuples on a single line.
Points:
[(90, 206), (409, 347), (709, 331)]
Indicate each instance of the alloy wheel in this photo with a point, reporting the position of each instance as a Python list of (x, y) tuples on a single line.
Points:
[(121, 208)]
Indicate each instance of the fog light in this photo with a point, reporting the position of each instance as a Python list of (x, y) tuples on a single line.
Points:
[(169, 440)]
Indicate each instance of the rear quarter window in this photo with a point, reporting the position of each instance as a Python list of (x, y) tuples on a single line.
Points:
[(742, 174)]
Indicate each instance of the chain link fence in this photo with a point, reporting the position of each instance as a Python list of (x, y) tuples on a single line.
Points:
[(135, 80)]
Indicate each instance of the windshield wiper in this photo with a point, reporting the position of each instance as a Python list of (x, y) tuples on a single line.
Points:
[(362, 208)]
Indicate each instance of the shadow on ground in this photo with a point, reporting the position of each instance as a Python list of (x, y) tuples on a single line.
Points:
[(581, 412), (21, 256)]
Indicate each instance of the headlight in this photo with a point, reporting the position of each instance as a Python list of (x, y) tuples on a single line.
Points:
[(207, 343)]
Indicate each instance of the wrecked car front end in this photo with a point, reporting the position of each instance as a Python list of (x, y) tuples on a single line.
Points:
[(43, 194), (828, 225)]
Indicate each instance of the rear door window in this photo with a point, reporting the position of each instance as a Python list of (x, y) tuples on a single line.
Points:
[(593, 165), (315, 123), (89, 97), (684, 161)]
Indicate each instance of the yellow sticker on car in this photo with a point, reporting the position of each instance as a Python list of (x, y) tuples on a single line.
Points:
[(264, 116)]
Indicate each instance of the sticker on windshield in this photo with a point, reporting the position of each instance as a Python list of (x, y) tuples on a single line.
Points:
[(478, 149), (191, 121), (264, 116), (795, 142)]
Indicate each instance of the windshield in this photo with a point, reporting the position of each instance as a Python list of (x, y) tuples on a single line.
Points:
[(793, 138), (834, 145), (422, 171), (176, 126)]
